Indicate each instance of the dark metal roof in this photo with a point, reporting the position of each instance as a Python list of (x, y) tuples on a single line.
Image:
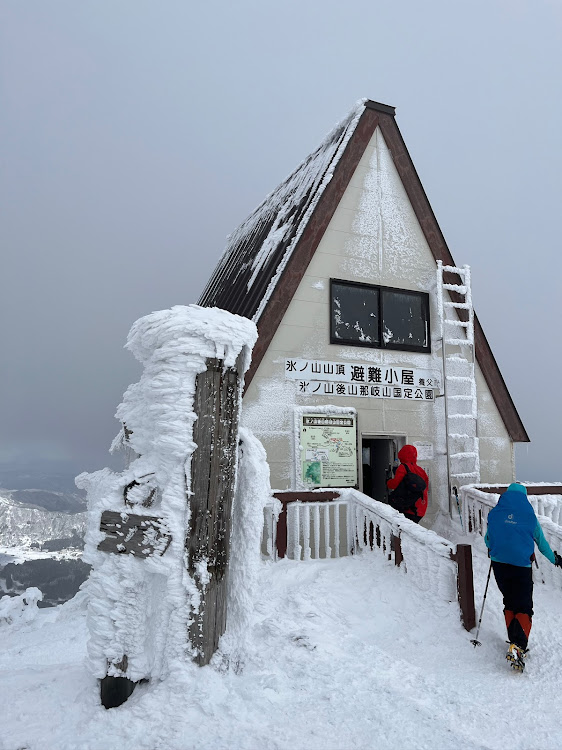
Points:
[(267, 256)]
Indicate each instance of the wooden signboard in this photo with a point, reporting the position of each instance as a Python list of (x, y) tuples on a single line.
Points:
[(131, 534)]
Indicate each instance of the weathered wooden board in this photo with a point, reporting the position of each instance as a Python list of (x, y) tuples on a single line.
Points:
[(213, 473), (131, 534)]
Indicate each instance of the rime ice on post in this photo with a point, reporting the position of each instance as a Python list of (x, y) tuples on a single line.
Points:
[(158, 533)]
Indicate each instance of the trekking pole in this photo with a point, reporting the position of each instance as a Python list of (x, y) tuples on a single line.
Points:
[(458, 506), (538, 569), (475, 642)]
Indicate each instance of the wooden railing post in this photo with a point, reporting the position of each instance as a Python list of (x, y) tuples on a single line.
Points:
[(465, 585), (281, 536), (397, 548)]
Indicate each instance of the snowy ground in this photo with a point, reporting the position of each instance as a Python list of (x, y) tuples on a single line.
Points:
[(345, 654)]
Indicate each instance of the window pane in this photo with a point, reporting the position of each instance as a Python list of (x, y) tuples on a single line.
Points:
[(355, 314), (405, 319)]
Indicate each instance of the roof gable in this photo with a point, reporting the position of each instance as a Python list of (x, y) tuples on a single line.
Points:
[(267, 256)]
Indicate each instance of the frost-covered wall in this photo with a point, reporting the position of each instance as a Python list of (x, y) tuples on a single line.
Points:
[(141, 608), (374, 237), (253, 494), (497, 457)]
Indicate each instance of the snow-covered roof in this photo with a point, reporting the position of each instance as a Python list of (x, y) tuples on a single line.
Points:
[(267, 256), (258, 251)]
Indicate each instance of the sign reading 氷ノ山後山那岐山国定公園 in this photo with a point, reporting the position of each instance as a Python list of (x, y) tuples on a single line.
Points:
[(328, 450), (321, 388)]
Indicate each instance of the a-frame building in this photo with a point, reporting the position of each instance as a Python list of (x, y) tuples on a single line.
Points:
[(365, 343)]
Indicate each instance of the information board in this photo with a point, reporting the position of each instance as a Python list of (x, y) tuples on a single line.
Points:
[(328, 450), (425, 451)]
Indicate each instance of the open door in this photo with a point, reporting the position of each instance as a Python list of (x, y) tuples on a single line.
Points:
[(379, 456)]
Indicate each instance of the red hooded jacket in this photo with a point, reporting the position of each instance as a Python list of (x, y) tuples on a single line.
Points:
[(409, 455)]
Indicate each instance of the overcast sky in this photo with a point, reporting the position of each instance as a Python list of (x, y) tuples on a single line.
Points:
[(135, 136)]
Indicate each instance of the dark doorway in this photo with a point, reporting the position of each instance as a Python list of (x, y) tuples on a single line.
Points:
[(379, 455)]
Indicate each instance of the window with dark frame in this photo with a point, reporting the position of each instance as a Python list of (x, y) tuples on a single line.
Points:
[(379, 317)]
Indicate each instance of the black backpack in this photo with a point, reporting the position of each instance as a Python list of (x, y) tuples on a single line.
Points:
[(408, 492)]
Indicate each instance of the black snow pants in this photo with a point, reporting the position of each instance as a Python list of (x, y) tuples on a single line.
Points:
[(516, 585)]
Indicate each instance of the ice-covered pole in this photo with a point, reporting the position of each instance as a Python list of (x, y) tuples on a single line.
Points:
[(158, 534)]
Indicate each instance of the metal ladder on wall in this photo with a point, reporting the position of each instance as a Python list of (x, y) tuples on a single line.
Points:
[(456, 316)]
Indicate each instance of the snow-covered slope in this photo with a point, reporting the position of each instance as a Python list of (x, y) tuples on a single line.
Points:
[(340, 655), (22, 526), (41, 548)]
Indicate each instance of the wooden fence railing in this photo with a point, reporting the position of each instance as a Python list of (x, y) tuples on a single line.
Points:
[(310, 525), (335, 523)]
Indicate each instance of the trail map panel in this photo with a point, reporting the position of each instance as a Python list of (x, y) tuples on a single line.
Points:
[(328, 450)]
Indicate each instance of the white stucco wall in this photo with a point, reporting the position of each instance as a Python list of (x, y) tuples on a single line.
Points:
[(374, 237), (497, 457)]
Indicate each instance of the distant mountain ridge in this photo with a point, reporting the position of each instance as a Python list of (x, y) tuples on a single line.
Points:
[(24, 526), (42, 526), (51, 500)]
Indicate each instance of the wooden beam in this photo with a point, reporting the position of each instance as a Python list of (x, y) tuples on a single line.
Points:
[(465, 585), (541, 489), (306, 496)]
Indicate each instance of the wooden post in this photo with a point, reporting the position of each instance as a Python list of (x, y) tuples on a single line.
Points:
[(396, 545), (465, 585), (281, 537), (213, 471)]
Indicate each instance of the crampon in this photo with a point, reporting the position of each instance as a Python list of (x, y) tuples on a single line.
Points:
[(516, 657)]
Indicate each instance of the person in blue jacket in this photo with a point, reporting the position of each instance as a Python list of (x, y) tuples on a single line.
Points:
[(512, 532)]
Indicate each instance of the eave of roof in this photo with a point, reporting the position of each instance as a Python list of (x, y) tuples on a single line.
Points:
[(276, 282)]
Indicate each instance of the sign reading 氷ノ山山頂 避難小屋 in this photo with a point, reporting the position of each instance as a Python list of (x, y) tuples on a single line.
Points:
[(361, 374)]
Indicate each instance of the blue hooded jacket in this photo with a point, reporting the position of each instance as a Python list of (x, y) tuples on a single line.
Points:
[(513, 530)]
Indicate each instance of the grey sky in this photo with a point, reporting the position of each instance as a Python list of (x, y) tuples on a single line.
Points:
[(134, 136)]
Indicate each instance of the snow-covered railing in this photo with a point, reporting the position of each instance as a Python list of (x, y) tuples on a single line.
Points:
[(476, 504), (312, 525), (321, 528), (478, 500), (335, 523), (547, 573), (433, 563), (548, 506)]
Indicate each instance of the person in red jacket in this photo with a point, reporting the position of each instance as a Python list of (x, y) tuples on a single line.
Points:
[(401, 498)]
